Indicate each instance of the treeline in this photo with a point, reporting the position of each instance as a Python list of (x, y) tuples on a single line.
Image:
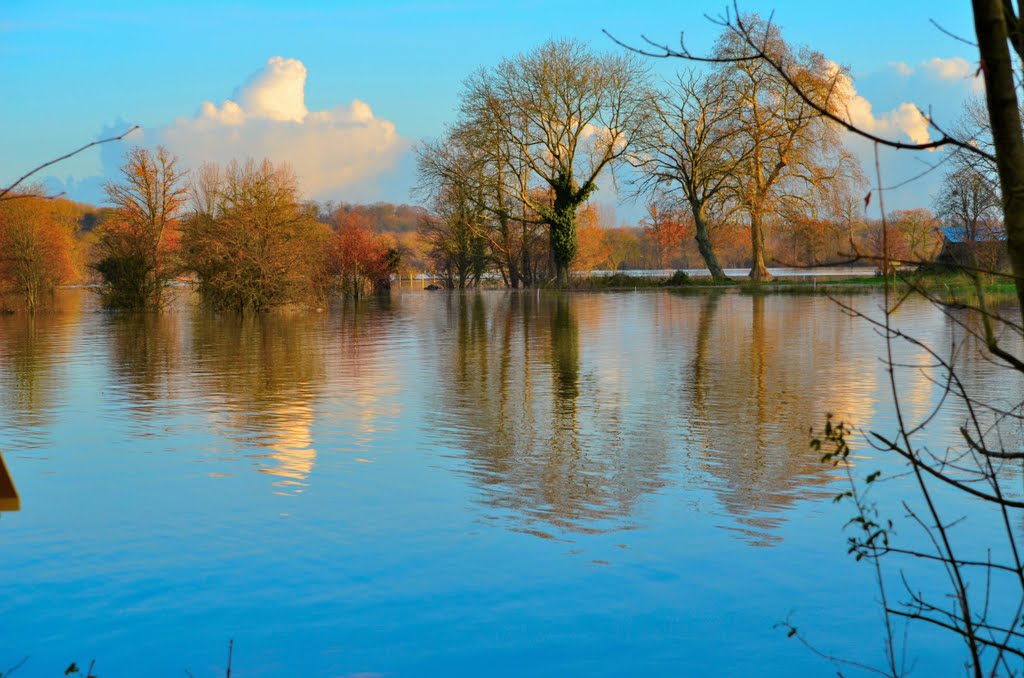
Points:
[(665, 239), (240, 233), (738, 168)]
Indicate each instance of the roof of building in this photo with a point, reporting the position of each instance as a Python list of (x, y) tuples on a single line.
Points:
[(983, 234)]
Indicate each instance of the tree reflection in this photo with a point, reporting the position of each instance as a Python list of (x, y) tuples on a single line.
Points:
[(145, 357), (32, 355), (542, 448), (364, 372), (263, 373), (993, 393), (756, 389)]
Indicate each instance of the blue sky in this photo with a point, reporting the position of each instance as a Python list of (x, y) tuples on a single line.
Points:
[(77, 69)]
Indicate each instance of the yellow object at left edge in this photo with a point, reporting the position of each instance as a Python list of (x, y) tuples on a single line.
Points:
[(9, 500)]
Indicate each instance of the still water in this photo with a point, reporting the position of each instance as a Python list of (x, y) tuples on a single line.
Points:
[(494, 483)]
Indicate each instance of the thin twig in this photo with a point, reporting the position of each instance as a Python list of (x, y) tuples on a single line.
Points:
[(5, 191)]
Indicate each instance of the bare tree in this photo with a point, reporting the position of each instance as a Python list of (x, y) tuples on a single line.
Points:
[(968, 202), (138, 245), (688, 146), (564, 115), (455, 240), (474, 167), (790, 153)]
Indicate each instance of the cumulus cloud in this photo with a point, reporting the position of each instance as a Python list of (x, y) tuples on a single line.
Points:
[(904, 119), (267, 117)]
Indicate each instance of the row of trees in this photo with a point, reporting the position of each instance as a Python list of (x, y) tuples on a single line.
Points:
[(241, 233), (136, 249), (733, 143), (665, 239)]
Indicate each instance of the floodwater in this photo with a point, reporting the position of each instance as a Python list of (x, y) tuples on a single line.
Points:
[(463, 484)]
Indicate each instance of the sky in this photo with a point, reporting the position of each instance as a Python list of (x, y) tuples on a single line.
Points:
[(344, 90)]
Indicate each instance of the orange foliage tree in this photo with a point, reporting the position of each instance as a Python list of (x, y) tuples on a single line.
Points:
[(921, 234), (36, 247), (593, 251), (668, 229), (913, 236), (732, 243), (359, 257), (623, 246), (138, 245), (810, 241), (252, 244)]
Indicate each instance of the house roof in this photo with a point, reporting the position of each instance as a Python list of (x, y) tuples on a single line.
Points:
[(983, 234)]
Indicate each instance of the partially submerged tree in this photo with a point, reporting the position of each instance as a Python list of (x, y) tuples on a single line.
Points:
[(36, 247), (359, 259), (481, 167), (562, 115), (250, 241), (137, 245), (456, 238)]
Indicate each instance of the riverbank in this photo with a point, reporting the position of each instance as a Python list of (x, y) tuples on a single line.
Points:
[(950, 287)]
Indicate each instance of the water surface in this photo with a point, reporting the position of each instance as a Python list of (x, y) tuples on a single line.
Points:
[(492, 483)]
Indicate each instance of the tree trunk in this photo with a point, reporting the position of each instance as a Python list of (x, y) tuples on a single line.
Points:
[(562, 222), (704, 244), (1004, 115), (758, 270)]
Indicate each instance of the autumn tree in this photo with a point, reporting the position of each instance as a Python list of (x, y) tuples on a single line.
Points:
[(456, 237), (668, 229), (593, 251), (811, 240), (36, 247), (250, 241), (623, 247), (137, 245), (360, 259), (914, 235), (790, 152), (562, 115)]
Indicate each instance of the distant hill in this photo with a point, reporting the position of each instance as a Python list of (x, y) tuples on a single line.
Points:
[(386, 217)]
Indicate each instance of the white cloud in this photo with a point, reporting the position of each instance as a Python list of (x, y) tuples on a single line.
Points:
[(904, 119), (277, 92), (954, 68), (267, 117), (902, 67)]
